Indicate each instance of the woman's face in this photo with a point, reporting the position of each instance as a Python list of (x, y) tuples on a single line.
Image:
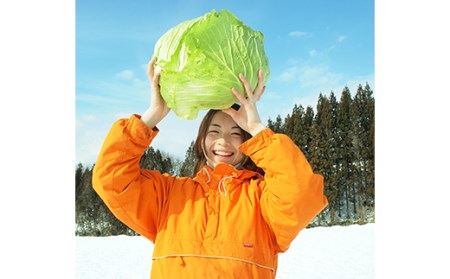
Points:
[(222, 140)]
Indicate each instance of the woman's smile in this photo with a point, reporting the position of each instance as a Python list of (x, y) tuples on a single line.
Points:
[(223, 140)]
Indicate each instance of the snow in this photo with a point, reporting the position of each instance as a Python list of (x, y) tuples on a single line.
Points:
[(320, 252)]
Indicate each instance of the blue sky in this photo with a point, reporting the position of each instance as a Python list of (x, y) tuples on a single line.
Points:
[(313, 47)]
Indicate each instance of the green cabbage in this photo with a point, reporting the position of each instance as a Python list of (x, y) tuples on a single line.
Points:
[(201, 59)]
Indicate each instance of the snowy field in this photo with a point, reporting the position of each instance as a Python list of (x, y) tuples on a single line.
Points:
[(317, 253)]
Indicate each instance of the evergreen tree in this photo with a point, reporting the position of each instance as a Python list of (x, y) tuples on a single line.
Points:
[(363, 118), (78, 193), (155, 160), (321, 159), (293, 124), (86, 204), (276, 126), (306, 132), (147, 159), (188, 165), (332, 146), (345, 152), (370, 170)]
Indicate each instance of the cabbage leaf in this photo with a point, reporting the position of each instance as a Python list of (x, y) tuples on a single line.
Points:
[(201, 59)]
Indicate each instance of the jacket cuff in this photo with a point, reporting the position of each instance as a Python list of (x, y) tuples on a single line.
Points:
[(139, 131), (256, 143)]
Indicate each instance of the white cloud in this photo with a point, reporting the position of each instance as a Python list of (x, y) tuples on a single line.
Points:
[(341, 38), (289, 74), (327, 88), (310, 76), (309, 81), (128, 75), (318, 77), (96, 100), (125, 75), (297, 34), (313, 52)]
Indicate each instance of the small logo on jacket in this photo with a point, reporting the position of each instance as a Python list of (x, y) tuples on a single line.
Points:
[(248, 245)]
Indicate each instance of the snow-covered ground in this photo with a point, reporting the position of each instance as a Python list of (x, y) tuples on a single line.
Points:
[(317, 253)]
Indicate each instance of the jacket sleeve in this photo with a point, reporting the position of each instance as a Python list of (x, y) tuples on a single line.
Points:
[(134, 196), (292, 195)]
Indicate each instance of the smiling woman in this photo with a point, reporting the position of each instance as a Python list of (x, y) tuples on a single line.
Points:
[(218, 141), (192, 220)]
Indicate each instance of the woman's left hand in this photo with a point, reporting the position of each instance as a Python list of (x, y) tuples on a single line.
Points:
[(247, 116)]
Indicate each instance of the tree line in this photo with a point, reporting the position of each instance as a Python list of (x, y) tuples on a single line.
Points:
[(337, 139)]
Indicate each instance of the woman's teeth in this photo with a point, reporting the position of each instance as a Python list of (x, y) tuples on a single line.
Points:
[(223, 153)]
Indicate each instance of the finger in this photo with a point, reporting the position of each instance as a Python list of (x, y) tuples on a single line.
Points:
[(230, 111), (155, 80), (151, 68), (260, 84), (258, 95), (238, 95), (260, 75), (247, 87)]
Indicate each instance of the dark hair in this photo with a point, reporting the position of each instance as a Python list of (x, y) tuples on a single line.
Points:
[(200, 159)]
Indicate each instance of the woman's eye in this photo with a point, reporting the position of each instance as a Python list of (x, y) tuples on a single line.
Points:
[(236, 134), (213, 132)]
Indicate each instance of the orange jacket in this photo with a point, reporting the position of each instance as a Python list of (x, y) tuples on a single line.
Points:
[(224, 222)]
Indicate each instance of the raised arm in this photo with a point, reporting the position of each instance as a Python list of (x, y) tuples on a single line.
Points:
[(158, 108), (292, 193), (133, 195)]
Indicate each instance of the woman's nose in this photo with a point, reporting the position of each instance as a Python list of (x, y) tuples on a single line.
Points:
[(224, 139)]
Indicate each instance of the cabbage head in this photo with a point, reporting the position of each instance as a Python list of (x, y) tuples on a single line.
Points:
[(201, 59)]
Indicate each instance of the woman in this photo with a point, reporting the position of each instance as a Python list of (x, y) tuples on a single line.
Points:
[(228, 221)]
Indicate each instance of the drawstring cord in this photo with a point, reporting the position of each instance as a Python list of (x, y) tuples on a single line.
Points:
[(183, 263), (209, 177), (221, 186)]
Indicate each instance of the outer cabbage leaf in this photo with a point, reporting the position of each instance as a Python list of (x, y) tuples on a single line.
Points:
[(201, 59)]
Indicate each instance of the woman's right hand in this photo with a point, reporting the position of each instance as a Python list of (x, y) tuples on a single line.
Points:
[(158, 108), (247, 116)]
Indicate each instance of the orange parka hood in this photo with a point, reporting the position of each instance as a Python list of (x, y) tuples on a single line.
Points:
[(224, 222)]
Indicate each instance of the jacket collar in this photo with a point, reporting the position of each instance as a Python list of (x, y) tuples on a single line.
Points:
[(207, 176)]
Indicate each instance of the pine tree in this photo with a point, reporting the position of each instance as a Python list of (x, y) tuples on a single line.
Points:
[(345, 152), (293, 124), (370, 105), (152, 160), (321, 152), (332, 146), (276, 126), (187, 167), (306, 132), (86, 204), (363, 129), (78, 194)]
